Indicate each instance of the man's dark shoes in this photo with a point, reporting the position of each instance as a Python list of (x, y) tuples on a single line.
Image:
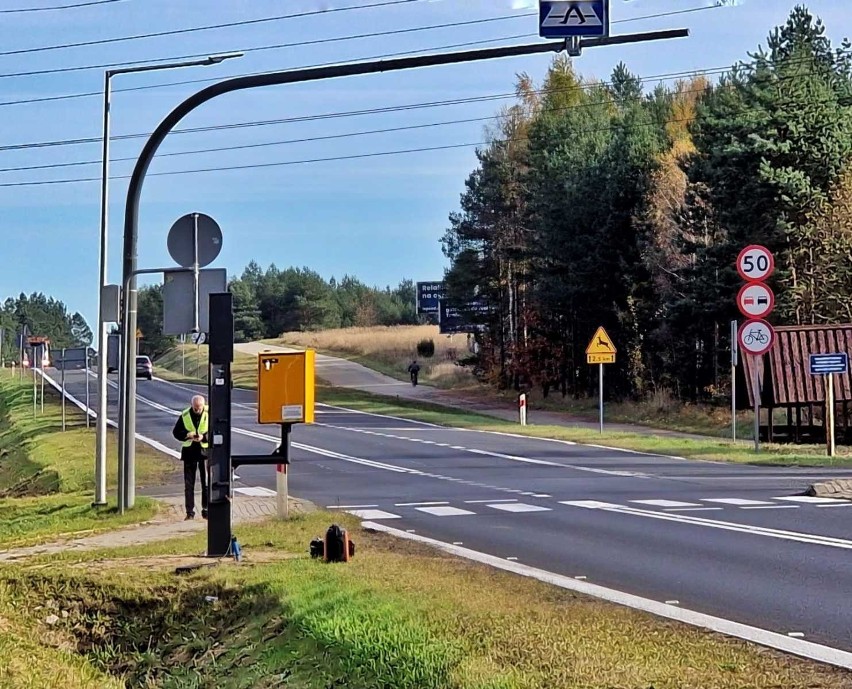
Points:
[(204, 514), (189, 517)]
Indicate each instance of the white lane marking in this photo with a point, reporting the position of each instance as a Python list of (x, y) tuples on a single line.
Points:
[(771, 507), (666, 503), (347, 507), (373, 514), (512, 559), (812, 539), (672, 602), (480, 502), (588, 504), (814, 500), (796, 635), (499, 455), (541, 495), (519, 507), (256, 491), (693, 509), (781, 642), (846, 504), (736, 501), (419, 504), (444, 511)]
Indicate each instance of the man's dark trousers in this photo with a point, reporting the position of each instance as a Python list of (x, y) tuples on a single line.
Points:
[(190, 467), (193, 457)]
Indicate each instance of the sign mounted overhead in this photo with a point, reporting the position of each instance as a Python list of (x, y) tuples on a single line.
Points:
[(569, 18), (756, 337), (755, 263), (755, 300), (601, 350)]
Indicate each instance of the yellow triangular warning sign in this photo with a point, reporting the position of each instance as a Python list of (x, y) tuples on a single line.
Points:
[(601, 343)]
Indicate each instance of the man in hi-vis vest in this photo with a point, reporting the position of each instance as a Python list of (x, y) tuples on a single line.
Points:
[(191, 430)]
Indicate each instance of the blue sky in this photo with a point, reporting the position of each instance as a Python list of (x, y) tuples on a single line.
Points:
[(379, 218)]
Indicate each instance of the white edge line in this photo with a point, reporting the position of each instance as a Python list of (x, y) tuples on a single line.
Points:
[(148, 441), (763, 637)]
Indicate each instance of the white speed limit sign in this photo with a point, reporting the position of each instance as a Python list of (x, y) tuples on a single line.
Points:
[(755, 263)]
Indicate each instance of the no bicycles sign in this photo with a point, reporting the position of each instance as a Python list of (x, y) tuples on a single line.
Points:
[(756, 337), (755, 300)]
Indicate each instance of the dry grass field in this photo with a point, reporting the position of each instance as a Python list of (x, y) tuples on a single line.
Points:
[(391, 349)]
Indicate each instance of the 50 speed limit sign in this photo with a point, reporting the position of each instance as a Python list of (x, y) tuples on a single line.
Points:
[(755, 263)]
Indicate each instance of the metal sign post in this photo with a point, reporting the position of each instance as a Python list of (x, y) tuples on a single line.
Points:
[(734, 357), (827, 365), (601, 351), (282, 492), (35, 393), (88, 406), (755, 337), (62, 368), (756, 395)]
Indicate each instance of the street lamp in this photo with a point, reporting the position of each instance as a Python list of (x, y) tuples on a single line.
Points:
[(103, 336)]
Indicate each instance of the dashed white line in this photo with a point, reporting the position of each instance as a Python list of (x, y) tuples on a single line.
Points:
[(519, 507), (444, 511)]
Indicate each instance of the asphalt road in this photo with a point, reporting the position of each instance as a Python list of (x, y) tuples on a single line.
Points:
[(738, 542)]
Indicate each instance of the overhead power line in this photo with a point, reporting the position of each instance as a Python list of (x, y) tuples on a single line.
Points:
[(296, 44), (207, 27), (277, 46), (311, 139), (185, 82), (374, 154), (371, 111), (23, 10)]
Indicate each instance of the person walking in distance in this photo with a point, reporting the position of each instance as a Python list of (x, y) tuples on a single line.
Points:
[(413, 371), (191, 429)]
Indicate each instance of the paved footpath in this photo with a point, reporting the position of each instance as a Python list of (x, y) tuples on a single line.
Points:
[(169, 523)]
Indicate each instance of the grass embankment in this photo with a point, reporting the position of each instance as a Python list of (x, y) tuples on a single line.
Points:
[(390, 350), (400, 615), (708, 449), (47, 476), (188, 364)]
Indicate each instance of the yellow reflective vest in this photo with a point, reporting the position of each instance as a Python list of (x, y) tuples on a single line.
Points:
[(190, 428)]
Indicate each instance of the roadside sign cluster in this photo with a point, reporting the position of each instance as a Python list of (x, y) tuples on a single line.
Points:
[(755, 299)]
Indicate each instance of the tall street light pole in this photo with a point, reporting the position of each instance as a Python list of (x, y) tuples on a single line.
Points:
[(103, 335)]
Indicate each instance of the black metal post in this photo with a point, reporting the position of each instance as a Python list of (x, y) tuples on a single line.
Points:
[(219, 472)]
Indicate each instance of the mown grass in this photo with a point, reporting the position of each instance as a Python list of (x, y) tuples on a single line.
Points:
[(400, 615), (47, 476), (390, 350)]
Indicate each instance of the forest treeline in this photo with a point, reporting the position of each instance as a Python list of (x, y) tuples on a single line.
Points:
[(624, 205)]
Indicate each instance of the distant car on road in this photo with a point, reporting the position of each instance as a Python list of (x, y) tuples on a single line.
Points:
[(144, 367)]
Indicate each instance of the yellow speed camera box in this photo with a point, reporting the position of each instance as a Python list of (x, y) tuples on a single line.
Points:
[(285, 387)]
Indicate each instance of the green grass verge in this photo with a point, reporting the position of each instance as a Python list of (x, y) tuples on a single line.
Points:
[(400, 615), (710, 449), (47, 475)]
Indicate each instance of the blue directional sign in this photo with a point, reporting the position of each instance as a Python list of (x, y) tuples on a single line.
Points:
[(567, 18), (823, 364), (429, 294)]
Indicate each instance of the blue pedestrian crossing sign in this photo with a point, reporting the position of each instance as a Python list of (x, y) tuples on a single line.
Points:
[(568, 18), (823, 364)]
